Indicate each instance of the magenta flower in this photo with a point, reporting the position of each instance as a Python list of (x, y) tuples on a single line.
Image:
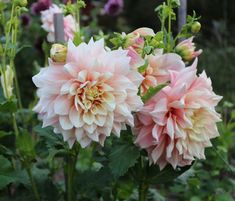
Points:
[(39, 6), (25, 20), (90, 95), (114, 7), (177, 124)]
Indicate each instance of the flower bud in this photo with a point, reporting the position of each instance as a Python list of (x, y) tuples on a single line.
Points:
[(21, 3), (58, 53), (186, 49), (196, 27), (7, 82)]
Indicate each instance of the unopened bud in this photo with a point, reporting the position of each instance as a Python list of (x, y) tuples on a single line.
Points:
[(196, 27), (21, 3), (58, 53), (7, 81), (186, 49)]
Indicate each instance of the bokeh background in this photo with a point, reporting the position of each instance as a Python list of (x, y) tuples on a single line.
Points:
[(210, 180)]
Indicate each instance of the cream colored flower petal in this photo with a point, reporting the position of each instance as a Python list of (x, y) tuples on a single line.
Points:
[(65, 122), (88, 118)]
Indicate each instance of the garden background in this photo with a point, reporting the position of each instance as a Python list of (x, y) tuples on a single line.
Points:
[(210, 180)]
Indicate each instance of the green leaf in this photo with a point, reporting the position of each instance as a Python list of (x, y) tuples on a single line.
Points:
[(148, 49), (152, 91), (224, 197), (122, 157), (8, 106), (77, 40), (195, 198), (155, 176), (142, 69), (175, 3), (4, 134), (50, 137), (25, 145), (9, 175)]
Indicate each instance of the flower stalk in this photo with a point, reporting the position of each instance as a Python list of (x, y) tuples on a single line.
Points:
[(70, 173), (32, 181), (143, 185), (169, 34)]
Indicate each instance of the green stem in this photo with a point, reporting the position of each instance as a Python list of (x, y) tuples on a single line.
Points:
[(169, 28), (143, 185), (78, 19), (17, 88), (15, 124), (34, 187), (143, 191), (71, 167)]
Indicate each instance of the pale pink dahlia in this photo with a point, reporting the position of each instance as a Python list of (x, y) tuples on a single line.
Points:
[(158, 69), (47, 18), (177, 124), (93, 94)]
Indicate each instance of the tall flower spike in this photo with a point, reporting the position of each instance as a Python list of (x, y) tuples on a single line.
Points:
[(93, 94)]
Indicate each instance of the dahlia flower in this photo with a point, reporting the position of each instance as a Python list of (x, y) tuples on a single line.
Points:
[(158, 69), (186, 49), (177, 124), (47, 18), (89, 96)]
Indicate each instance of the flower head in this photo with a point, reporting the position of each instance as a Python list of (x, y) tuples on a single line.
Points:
[(47, 18), (186, 49), (113, 7), (93, 94), (177, 124), (158, 69)]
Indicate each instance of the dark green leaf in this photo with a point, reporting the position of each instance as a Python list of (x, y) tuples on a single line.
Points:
[(4, 134), (9, 175), (155, 176), (8, 106), (122, 157), (25, 145)]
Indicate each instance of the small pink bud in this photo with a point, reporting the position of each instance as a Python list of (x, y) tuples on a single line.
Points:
[(186, 49)]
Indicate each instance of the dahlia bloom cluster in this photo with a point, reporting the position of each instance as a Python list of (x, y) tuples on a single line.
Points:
[(47, 18), (92, 91)]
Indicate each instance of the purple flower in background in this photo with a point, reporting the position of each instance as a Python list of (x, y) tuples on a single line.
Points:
[(67, 1), (113, 7), (39, 6), (25, 20)]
